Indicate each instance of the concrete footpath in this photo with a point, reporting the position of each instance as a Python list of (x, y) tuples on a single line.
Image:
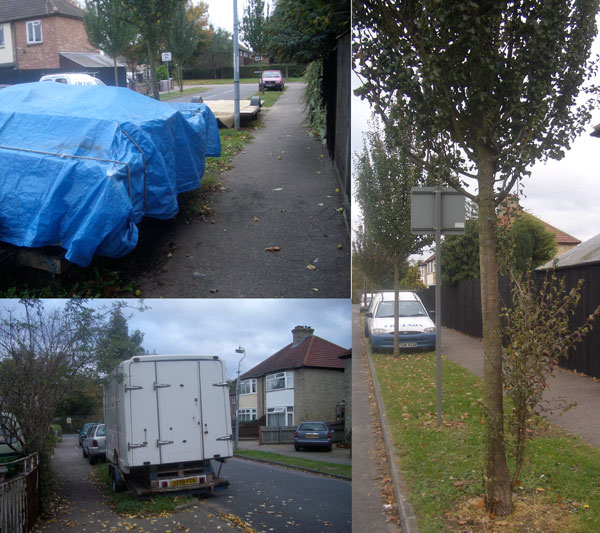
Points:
[(276, 229), (368, 512), (566, 387)]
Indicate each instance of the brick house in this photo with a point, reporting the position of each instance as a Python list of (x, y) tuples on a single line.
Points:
[(33, 33), (304, 381)]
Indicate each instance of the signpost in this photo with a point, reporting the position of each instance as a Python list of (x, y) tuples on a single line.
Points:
[(166, 57), (437, 210)]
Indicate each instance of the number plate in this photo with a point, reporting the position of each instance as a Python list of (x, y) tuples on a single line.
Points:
[(407, 344), (312, 435), (183, 482)]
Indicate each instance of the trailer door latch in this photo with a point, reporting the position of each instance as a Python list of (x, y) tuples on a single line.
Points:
[(161, 385), (163, 442), (131, 446), (133, 387)]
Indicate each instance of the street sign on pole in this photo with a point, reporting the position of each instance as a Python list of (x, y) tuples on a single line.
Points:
[(437, 210), (166, 57), (236, 70)]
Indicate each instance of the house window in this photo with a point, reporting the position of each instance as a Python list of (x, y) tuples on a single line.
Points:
[(247, 414), (281, 380), (34, 31), (248, 386), (1, 36), (280, 416)]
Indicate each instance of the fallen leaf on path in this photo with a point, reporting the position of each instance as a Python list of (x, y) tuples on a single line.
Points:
[(278, 189), (311, 267), (273, 249), (256, 219)]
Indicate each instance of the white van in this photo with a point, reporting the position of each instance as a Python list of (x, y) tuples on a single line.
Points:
[(73, 78), (415, 328)]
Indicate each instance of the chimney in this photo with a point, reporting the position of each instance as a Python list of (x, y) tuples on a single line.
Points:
[(301, 332)]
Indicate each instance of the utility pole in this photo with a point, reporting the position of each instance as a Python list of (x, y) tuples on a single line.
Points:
[(236, 70)]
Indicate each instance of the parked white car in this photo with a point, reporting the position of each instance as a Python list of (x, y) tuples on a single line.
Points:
[(415, 328), (73, 78)]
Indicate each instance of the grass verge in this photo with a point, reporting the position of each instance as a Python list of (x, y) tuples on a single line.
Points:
[(559, 489), (130, 506), (319, 466)]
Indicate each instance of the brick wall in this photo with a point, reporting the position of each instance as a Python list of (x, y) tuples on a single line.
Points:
[(316, 393), (59, 34)]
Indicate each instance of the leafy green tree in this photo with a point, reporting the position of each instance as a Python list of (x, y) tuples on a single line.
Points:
[(412, 280), (460, 255), (308, 30), (384, 177), (532, 242), (184, 35), (372, 261), (152, 19), (45, 353), (115, 344), (254, 26), (108, 28), (525, 244), (217, 51), (491, 88)]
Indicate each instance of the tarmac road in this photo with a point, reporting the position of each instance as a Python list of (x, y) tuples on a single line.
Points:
[(217, 92)]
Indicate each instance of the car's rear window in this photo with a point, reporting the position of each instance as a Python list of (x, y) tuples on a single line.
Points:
[(101, 431), (313, 427), (271, 74)]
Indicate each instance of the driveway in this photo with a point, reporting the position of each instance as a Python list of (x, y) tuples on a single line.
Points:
[(336, 455), (276, 231), (80, 507)]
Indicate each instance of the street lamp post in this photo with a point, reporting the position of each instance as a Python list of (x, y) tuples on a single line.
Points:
[(239, 349)]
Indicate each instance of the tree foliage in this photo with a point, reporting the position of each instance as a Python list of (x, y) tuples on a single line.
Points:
[(184, 34), (108, 28), (306, 31), (525, 245), (384, 177), (254, 25), (372, 260), (152, 19), (45, 355), (490, 87)]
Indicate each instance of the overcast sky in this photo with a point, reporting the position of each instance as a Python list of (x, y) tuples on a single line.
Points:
[(562, 193), (218, 327), (220, 12)]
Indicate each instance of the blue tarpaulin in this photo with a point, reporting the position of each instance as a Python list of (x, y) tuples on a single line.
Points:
[(80, 166)]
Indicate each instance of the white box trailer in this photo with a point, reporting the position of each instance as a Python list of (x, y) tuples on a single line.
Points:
[(167, 417)]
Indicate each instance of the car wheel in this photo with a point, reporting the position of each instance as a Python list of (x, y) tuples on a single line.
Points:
[(84, 453), (92, 459), (297, 447), (366, 330), (329, 448)]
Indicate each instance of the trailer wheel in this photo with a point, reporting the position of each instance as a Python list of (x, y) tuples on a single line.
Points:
[(115, 484)]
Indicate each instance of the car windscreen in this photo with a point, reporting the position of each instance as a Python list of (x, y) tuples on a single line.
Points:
[(271, 74), (412, 308)]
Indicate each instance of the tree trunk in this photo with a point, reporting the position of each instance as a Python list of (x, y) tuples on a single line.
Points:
[(153, 81), (497, 479), (396, 318)]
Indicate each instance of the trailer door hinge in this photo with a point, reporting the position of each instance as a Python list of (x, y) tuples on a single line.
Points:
[(163, 442), (161, 385), (132, 446), (222, 384), (133, 387), (228, 437)]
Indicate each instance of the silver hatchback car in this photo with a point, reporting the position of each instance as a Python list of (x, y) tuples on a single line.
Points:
[(94, 443)]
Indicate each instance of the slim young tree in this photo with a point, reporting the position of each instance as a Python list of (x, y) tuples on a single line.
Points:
[(107, 27), (384, 177), (491, 88)]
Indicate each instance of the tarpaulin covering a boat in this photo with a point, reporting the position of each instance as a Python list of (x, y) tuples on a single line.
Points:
[(80, 166)]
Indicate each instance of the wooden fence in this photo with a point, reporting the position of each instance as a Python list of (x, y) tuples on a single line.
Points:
[(19, 496), (461, 310)]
